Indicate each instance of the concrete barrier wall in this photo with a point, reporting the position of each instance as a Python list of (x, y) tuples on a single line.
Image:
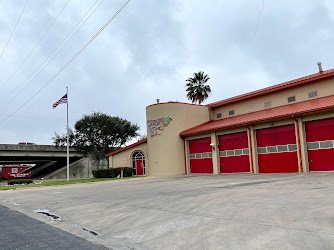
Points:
[(36, 151), (80, 169)]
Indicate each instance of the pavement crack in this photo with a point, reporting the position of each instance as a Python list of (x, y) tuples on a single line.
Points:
[(88, 230)]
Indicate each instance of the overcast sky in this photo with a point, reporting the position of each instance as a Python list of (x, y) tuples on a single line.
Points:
[(148, 52)]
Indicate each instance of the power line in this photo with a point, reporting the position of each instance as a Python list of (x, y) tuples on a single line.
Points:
[(70, 61), (35, 45), (23, 116), (34, 116), (258, 20), (13, 29), (54, 52)]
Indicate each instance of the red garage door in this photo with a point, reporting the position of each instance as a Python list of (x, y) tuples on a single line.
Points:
[(200, 156), (319, 137), (277, 150), (234, 153)]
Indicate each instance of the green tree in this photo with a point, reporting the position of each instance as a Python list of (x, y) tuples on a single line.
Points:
[(142, 137), (98, 134), (197, 89)]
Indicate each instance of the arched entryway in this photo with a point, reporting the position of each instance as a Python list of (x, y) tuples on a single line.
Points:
[(138, 163)]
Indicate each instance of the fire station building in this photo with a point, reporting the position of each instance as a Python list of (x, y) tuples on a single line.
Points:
[(284, 128)]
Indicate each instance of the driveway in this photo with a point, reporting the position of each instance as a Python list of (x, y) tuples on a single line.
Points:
[(237, 211), (22, 232)]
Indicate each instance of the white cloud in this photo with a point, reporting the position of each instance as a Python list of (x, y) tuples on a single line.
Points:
[(149, 51)]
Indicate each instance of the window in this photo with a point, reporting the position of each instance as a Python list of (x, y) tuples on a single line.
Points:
[(292, 99), (222, 153), (272, 149), (292, 147), (282, 148), (313, 145), (262, 150), (326, 144), (238, 151), (231, 112), (267, 105), (251, 108), (312, 94), (219, 115), (229, 152)]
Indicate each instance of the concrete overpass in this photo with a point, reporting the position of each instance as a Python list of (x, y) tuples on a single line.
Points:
[(47, 158)]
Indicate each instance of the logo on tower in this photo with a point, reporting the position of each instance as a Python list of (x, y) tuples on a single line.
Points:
[(156, 126)]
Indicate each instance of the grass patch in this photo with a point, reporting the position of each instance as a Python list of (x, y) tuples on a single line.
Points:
[(39, 183)]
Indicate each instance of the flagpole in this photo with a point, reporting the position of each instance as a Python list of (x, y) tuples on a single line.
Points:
[(68, 146)]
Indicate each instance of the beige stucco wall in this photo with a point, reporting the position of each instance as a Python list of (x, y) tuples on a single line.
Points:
[(166, 151), (274, 123), (124, 158), (318, 116), (323, 87)]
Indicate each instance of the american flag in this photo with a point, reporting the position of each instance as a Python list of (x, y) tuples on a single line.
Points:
[(61, 100)]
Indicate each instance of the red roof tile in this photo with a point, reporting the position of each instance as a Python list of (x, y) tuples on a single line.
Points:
[(125, 148), (281, 86), (300, 108)]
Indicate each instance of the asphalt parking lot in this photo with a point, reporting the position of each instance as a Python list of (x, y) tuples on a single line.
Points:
[(237, 211)]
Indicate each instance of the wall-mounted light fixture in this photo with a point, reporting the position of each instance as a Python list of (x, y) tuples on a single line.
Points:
[(213, 146)]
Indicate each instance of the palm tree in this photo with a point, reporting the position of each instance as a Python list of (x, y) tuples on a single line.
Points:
[(197, 90)]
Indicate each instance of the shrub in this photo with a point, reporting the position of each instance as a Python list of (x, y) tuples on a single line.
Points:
[(3, 178), (111, 172), (20, 181), (127, 172)]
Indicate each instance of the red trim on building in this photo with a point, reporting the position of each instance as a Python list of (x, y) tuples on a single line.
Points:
[(177, 103), (293, 83), (127, 147), (300, 108)]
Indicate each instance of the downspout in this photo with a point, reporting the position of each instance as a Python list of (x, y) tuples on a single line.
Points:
[(185, 157), (250, 147), (299, 146)]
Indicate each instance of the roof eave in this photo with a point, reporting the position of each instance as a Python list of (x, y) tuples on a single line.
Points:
[(125, 148), (258, 121)]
